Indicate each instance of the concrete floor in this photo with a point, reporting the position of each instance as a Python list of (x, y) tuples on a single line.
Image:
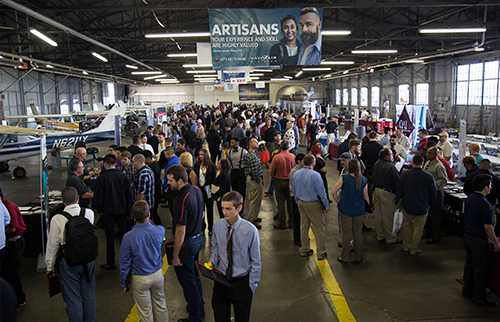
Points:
[(389, 286)]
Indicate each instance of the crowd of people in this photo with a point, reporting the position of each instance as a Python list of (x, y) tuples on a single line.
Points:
[(204, 158)]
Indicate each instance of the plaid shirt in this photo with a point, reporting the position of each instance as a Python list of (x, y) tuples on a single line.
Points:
[(252, 166), (145, 183)]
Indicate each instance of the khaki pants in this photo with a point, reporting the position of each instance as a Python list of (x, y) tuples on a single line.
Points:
[(352, 237), (385, 207), (253, 200), (312, 214), (412, 231), (149, 296)]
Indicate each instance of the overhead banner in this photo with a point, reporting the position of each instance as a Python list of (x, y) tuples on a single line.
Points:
[(265, 37), (248, 92)]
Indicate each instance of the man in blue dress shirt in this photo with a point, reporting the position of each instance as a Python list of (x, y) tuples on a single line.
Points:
[(141, 263), (310, 194), (235, 252)]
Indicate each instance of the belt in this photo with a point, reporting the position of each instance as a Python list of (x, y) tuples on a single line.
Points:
[(239, 278), (194, 236)]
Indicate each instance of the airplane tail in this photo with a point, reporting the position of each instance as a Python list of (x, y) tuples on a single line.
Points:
[(108, 123)]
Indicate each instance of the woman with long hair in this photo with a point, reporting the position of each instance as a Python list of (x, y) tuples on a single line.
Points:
[(223, 181), (205, 172), (352, 209), (286, 52)]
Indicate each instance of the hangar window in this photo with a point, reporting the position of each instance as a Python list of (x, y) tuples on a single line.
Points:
[(345, 97), (354, 96), (375, 96), (422, 93), (338, 97), (364, 96), (477, 84)]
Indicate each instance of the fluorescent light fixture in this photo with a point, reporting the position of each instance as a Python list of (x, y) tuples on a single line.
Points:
[(335, 32), (49, 66), (43, 37), (414, 61), (374, 51), (256, 75), (1, 56), (155, 77), (254, 78), (316, 69), (326, 76), (206, 80), (147, 73), (372, 70), (84, 73), (288, 77), (451, 30), (159, 94), (100, 57), (131, 67), (298, 74), (182, 55), (204, 76), (196, 65), (478, 48), (171, 81), (201, 71), (345, 72), (165, 79), (179, 35), (262, 71), (279, 79), (337, 62)]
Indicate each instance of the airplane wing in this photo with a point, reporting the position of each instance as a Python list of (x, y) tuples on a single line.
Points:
[(15, 130)]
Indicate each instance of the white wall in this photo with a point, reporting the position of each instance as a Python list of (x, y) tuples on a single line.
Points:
[(197, 93)]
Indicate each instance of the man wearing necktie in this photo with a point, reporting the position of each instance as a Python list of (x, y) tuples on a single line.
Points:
[(310, 27), (236, 253)]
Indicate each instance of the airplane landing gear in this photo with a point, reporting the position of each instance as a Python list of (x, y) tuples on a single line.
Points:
[(4, 167), (19, 172)]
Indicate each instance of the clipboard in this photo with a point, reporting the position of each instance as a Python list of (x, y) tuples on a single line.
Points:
[(214, 275)]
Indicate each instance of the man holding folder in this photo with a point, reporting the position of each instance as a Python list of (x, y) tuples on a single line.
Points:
[(235, 253)]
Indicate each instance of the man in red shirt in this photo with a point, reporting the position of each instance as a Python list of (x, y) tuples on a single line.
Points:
[(282, 164), (14, 249)]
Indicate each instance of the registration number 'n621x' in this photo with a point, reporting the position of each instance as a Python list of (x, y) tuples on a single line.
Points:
[(69, 142)]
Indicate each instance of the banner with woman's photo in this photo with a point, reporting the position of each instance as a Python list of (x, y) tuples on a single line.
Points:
[(265, 37)]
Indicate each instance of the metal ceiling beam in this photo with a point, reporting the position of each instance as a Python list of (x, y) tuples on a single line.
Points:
[(73, 32)]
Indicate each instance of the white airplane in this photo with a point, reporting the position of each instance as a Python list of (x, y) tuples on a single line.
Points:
[(18, 142)]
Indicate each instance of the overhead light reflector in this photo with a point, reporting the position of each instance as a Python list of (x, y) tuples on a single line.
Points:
[(147, 73), (84, 73), (100, 57), (288, 77), (131, 67), (262, 71), (374, 51), (451, 30), (182, 55), (43, 37), (335, 32), (298, 74), (345, 72), (49, 66), (179, 35), (279, 79), (414, 61)]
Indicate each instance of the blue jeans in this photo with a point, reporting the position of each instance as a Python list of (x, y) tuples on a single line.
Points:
[(78, 290), (189, 278)]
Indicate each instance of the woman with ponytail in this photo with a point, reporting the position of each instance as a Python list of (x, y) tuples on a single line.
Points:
[(352, 209)]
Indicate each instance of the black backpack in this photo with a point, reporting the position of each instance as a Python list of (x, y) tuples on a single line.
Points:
[(81, 241)]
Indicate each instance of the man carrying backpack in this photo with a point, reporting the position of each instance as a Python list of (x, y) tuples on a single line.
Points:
[(71, 253)]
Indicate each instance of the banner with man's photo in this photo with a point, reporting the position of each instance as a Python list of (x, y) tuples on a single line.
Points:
[(265, 37)]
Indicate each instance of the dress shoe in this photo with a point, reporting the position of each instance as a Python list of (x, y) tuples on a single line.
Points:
[(108, 267), (308, 253)]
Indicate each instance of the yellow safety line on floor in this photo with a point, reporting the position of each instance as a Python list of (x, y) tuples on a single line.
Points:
[(133, 315), (339, 302)]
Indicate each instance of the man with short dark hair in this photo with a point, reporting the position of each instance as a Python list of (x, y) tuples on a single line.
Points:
[(299, 164), (385, 182), (113, 199), (141, 265), (417, 191), (187, 220), (236, 156), (310, 194), (144, 181), (370, 153), (281, 166), (241, 264), (254, 183), (155, 167), (78, 282), (478, 234), (75, 180), (471, 170), (134, 148)]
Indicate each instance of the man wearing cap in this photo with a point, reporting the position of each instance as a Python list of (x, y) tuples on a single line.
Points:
[(235, 157), (112, 198)]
